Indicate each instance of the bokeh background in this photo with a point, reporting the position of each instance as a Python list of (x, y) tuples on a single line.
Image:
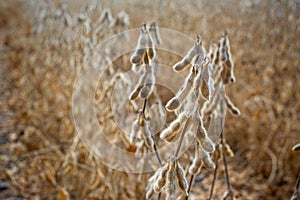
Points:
[(40, 52)]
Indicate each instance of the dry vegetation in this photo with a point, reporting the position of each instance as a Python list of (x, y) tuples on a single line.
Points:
[(42, 47)]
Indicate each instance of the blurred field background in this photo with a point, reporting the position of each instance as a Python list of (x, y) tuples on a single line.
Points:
[(40, 155)]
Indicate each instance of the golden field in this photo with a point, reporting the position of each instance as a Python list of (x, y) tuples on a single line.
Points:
[(41, 156)]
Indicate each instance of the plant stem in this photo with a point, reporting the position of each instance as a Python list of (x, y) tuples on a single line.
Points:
[(144, 106), (190, 187), (159, 195), (214, 180), (298, 182), (156, 152), (225, 164)]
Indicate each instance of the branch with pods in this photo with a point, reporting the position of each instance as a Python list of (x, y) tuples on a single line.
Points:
[(200, 106)]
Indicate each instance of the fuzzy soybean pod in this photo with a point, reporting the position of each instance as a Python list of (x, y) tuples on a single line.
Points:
[(210, 106), (232, 108), (196, 165), (161, 178), (134, 131), (181, 178), (205, 88), (150, 188), (157, 115), (171, 182), (216, 57), (206, 159), (197, 161), (171, 133), (227, 150), (149, 192), (229, 61), (207, 144), (201, 132), (105, 16), (135, 93), (225, 55), (140, 49), (210, 81), (147, 134), (296, 147), (223, 49), (219, 152), (183, 92), (202, 137), (173, 104), (151, 47), (212, 49), (149, 83), (226, 73), (191, 103), (154, 29), (197, 82), (136, 127), (188, 57)]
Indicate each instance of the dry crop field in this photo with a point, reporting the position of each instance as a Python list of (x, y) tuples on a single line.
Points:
[(216, 82)]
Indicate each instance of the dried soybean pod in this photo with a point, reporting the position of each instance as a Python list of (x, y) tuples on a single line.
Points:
[(207, 144), (161, 179), (137, 126), (232, 108), (212, 105), (197, 77), (170, 182), (188, 84), (140, 48), (146, 90), (149, 193), (149, 81), (170, 134), (208, 163), (226, 74), (151, 47), (135, 93), (206, 160), (223, 47), (147, 135), (210, 81), (229, 61), (201, 131), (154, 29), (140, 118), (204, 90), (181, 65), (134, 130), (217, 55), (181, 178), (172, 104), (218, 153), (105, 16), (191, 102), (227, 150), (214, 54), (183, 92), (189, 56), (296, 147), (196, 166), (211, 51), (197, 161)]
